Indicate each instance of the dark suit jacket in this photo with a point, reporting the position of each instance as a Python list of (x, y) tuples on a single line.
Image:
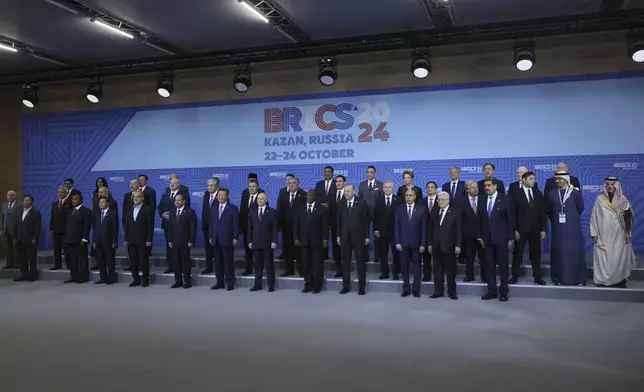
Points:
[(434, 210), (383, 217), (150, 200), (529, 218), (445, 237), (107, 232), (128, 204), (460, 189), (311, 230), (77, 225), (184, 230), (27, 230), (370, 196), (140, 231), (205, 210), (353, 227), (286, 212), (403, 189), (68, 198), (320, 194), (6, 217), (57, 218), (166, 204), (515, 190), (182, 188), (225, 229), (498, 228), (262, 233), (470, 226), (551, 184), (411, 233), (500, 186), (245, 209)]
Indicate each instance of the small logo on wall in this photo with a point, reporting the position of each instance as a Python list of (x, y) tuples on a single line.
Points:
[(221, 176), (164, 177), (198, 194), (545, 167), (277, 174), (341, 173), (593, 188), (400, 171), (625, 165), (471, 169), (117, 179)]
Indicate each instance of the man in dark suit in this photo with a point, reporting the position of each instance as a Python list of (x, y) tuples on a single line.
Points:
[(551, 184), (69, 187), (445, 237), (455, 187), (516, 188), (182, 188), (224, 229), (105, 240), (78, 224), (353, 235), (247, 203), (96, 210), (182, 233), (470, 227), (286, 207), (333, 204), (279, 196), (488, 171), (311, 230), (325, 189), (263, 226), (128, 204), (165, 209), (369, 190), (27, 228), (410, 233), (496, 235), (383, 230), (530, 211), (431, 208), (149, 195), (138, 231), (57, 227), (9, 210), (209, 200)]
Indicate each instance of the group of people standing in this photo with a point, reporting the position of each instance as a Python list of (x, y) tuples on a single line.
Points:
[(465, 221)]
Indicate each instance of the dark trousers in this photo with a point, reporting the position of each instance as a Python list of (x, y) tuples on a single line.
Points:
[(209, 250), (8, 238), (534, 242), (313, 263), (497, 256), (182, 266), (290, 254), (427, 264), (444, 264), (264, 257), (383, 245), (139, 261), (410, 256), (337, 249), (169, 254), (224, 265), (248, 253), (357, 250), (57, 240), (471, 249), (76, 257), (26, 257), (106, 258)]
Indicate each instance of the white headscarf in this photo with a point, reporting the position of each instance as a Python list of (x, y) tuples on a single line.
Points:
[(564, 175)]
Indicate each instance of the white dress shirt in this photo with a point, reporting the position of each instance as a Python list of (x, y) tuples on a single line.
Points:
[(25, 212), (526, 190), (351, 202), (491, 199), (135, 211), (444, 212), (431, 200)]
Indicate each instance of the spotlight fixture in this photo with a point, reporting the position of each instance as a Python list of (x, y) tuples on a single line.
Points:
[(165, 87), (95, 91), (111, 28), (254, 10), (30, 96), (636, 50), (9, 48), (524, 58), (328, 71), (242, 81), (420, 66)]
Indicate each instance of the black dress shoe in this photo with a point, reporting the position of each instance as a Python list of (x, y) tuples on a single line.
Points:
[(453, 296), (176, 285), (306, 290), (127, 269), (489, 296), (187, 285), (168, 271), (255, 288), (20, 279), (337, 275), (344, 290), (362, 292), (540, 282), (55, 268), (134, 284), (271, 289), (484, 280), (503, 298), (217, 287), (405, 294), (383, 276), (436, 295), (101, 281), (246, 273), (145, 284), (316, 291), (206, 271), (514, 280), (426, 279), (288, 273), (230, 288), (468, 279), (416, 294), (81, 281), (70, 280), (32, 279), (110, 281), (6, 267), (94, 268), (395, 277)]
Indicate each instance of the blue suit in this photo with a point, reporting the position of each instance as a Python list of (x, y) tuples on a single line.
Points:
[(223, 230), (261, 234), (460, 189), (411, 234), (166, 204)]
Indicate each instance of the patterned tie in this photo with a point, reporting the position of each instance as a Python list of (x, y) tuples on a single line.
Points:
[(409, 211), (453, 189), (490, 206), (530, 198), (473, 204)]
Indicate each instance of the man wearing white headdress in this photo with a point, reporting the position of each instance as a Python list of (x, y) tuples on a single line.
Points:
[(611, 227)]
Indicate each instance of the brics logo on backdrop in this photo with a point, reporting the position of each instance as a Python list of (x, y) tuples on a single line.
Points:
[(117, 179), (472, 169), (277, 174), (221, 176), (625, 165), (549, 167)]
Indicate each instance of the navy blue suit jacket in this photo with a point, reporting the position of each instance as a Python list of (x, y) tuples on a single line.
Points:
[(167, 205), (460, 189), (225, 229), (411, 233), (320, 194), (262, 233), (498, 228)]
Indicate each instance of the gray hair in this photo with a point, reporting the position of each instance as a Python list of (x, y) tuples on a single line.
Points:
[(134, 180), (214, 179), (353, 188), (470, 182), (443, 194), (455, 167), (388, 182), (58, 189), (137, 193), (11, 191)]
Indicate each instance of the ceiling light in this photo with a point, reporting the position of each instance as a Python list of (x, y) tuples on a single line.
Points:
[(254, 10), (111, 28), (165, 86), (8, 47), (95, 92), (242, 81), (637, 51), (420, 66), (328, 71), (30, 96), (524, 58)]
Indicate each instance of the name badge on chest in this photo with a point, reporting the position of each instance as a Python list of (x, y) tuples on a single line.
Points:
[(562, 218)]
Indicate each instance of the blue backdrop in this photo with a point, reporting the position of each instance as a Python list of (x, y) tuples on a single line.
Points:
[(591, 122)]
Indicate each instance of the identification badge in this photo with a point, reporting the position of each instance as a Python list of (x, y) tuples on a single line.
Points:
[(562, 218)]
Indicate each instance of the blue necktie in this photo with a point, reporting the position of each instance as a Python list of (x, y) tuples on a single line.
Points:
[(102, 216), (490, 207)]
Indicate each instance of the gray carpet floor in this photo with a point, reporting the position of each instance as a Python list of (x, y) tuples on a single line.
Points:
[(56, 337)]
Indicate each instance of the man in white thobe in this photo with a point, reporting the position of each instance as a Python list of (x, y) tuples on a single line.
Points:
[(611, 227)]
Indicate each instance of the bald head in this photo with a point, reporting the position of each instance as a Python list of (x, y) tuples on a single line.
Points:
[(174, 184)]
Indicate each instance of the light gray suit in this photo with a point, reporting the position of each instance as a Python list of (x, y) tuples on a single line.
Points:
[(370, 196), (8, 229)]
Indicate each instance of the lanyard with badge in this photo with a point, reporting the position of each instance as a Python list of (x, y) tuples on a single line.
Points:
[(562, 215)]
